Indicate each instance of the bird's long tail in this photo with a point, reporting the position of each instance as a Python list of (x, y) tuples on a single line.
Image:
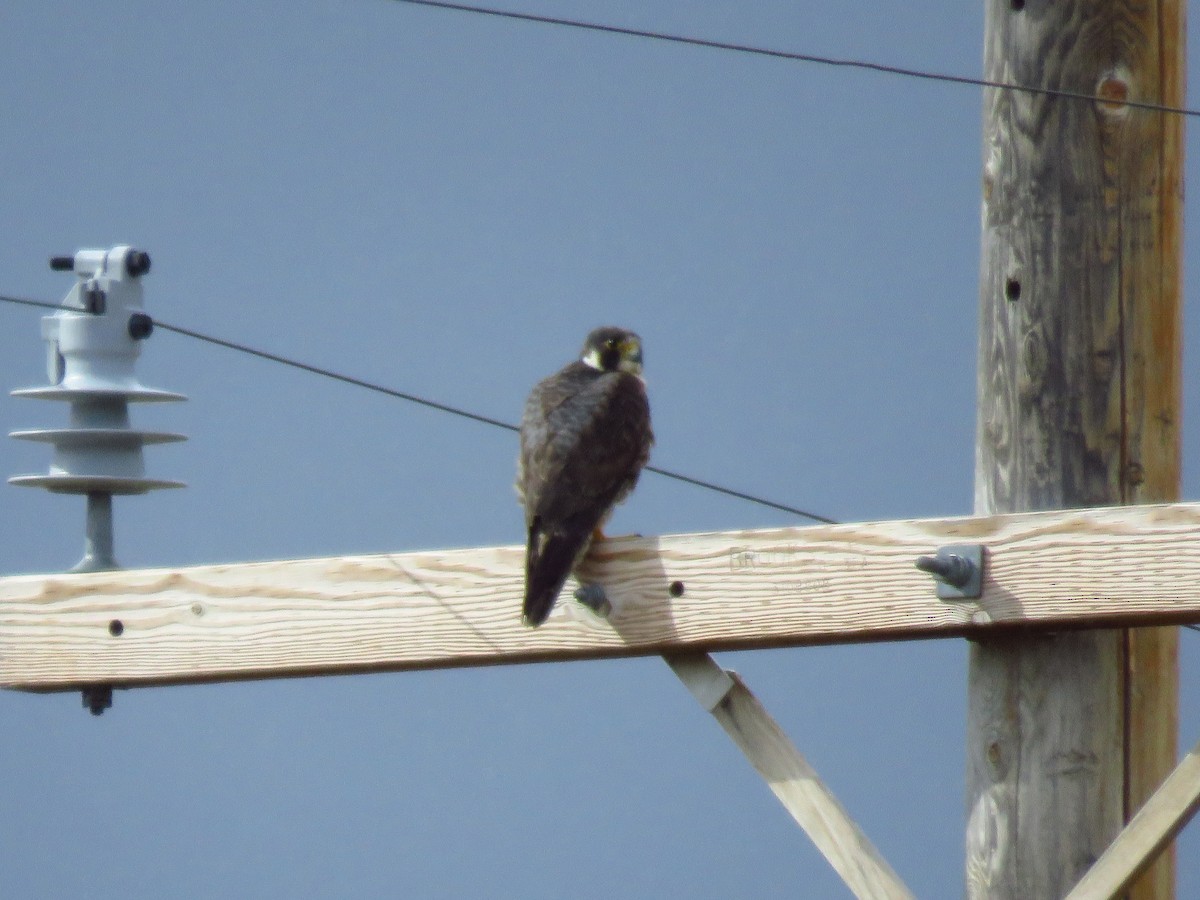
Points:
[(549, 559)]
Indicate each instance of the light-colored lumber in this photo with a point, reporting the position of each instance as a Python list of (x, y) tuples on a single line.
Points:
[(1166, 812), (790, 777), (768, 588)]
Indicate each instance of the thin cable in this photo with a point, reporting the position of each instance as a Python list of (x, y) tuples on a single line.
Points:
[(453, 410), (687, 479), (38, 303), (432, 404), (329, 373), (797, 57)]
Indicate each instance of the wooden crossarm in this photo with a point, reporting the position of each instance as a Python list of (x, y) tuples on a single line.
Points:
[(736, 590)]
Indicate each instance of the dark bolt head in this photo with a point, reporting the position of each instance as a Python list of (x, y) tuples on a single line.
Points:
[(62, 263), (97, 698), (948, 567), (140, 326), (137, 262)]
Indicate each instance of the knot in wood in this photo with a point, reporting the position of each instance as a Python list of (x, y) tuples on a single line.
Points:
[(1113, 91), (1104, 365), (997, 759), (1035, 363)]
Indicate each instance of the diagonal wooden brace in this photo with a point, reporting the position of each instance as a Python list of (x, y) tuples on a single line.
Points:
[(1139, 843), (790, 776)]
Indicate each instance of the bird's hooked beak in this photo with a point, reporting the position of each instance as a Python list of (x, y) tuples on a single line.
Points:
[(631, 356)]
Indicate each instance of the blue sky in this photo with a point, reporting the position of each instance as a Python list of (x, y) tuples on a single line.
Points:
[(446, 204)]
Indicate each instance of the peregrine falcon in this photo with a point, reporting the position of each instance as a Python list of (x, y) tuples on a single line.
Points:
[(585, 436)]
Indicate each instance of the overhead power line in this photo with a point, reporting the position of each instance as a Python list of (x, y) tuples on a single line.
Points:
[(797, 57), (329, 373), (466, 414), (40, 304), (431, 404)]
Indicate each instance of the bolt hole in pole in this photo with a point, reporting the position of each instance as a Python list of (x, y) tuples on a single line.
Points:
[(1012, 290)]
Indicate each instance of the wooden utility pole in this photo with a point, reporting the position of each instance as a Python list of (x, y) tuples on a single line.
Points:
[(1079, 400)]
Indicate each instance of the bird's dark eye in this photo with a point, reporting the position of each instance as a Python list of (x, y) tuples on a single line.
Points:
[(611, 343)]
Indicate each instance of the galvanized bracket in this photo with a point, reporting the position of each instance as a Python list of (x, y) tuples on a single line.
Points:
[(958, 570)]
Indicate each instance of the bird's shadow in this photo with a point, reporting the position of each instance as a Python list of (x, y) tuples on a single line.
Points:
[(635, 586)]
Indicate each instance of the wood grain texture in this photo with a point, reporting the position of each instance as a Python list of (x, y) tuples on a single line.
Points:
[(770, 588), (1079, 387), (1152, 689), (1167, 811), (793, 781), (1150, 191)]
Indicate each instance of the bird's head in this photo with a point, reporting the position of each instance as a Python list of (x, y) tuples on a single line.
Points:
[(613, 350)]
